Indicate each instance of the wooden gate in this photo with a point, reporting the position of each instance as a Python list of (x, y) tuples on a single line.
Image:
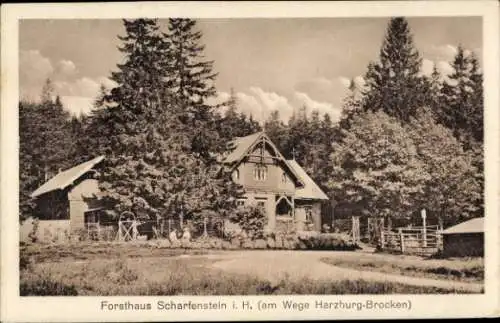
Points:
[(416, 240)]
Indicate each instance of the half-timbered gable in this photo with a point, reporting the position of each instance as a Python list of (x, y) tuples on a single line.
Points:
[(281, 187)]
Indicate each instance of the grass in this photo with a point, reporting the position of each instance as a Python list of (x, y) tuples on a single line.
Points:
[(464, 270), (97, 250), (119, 273)]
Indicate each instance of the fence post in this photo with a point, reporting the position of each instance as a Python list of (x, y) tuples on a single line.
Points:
[(205, 233), (382, 239), (424, 228), (402, 240), (169, 226)]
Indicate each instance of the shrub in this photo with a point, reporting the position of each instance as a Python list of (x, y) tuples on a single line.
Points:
[(33, 235), (325, 241), (251, 219), (44, 285)]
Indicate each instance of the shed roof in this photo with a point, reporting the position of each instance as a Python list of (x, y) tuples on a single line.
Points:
[(310, 190), (67, 177), (475, 225)]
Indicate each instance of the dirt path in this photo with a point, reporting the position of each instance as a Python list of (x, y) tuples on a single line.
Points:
[(274, 265)]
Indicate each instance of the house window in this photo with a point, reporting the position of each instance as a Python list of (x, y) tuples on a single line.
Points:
[(236, 175), (283, 177), (260, 173), (261, 202), (309, 214), (240, 202)]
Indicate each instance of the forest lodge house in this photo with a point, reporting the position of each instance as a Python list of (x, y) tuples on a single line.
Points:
[(286, 193)]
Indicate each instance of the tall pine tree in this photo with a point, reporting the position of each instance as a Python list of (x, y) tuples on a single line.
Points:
[(393, 84), (462, 99)]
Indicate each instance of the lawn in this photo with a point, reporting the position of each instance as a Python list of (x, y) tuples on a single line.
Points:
[(456, 269), (125, 269)]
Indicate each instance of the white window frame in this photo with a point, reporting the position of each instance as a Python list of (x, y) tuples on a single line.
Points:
[(260, 172)]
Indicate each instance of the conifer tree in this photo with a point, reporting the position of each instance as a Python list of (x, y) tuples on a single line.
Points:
[(152, 163), (393, 84), (192, 79), (462, 93), (45, 143)]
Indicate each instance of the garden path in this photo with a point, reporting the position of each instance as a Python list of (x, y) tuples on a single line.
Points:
[(274, 265)]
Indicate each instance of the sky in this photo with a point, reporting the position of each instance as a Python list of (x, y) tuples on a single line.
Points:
[(279, 63)]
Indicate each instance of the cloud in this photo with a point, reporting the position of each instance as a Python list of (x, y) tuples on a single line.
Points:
[(444, 68), (77, 105), (271, 100), (259, 104), (325, 89), (346, 82), (34, 69), (360, 81), (427, 67), (321, 107), (83, 87), (66, 67), (445, 52)]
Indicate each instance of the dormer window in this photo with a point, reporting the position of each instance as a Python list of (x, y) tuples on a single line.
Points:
[(260, 173)]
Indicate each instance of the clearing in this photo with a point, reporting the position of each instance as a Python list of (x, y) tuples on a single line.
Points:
[(132, 269)]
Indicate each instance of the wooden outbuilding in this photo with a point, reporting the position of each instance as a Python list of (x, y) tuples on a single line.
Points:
[(70, 199), (465, 239)]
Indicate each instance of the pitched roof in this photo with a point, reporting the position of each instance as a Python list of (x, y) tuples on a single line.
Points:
[(310, 190), (67, 177), (475, 225), (242, 145)]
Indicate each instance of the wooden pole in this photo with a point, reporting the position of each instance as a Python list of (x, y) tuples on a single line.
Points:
[(402, 240), (424, 228), (205, 233)]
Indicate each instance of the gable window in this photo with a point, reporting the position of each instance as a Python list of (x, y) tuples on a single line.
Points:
[(284, 177), (260, 173), (236, 174)]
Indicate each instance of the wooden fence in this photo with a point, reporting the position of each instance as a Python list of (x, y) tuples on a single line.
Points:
[(414, 240)]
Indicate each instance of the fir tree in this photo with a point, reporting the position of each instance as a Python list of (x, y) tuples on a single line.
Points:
[(192, 79), (393, 83), (45, 143), (152, 163), (462, 93)]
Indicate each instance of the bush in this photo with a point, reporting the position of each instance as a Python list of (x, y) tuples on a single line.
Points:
[(44, 285), (33, 235), (251, 219), (325, 241)]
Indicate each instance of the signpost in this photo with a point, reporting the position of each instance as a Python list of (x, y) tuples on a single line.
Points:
[(424, 228)]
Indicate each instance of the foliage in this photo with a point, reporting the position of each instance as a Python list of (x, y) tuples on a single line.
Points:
[(325, 242), (462, 99), (44, 285), (251, 219), (376, 167), (386, 169), (453, 187), (233, 124), (45, 140), (158, 140), (393, 84)]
